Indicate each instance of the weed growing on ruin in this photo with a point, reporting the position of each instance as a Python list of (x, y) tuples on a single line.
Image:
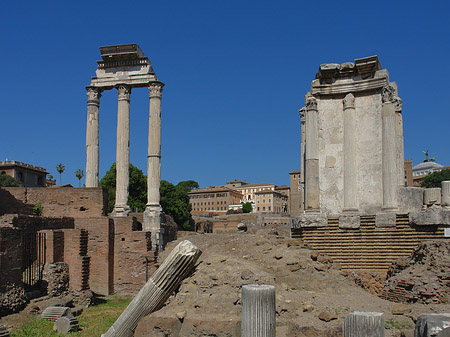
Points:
[(392, 324), (37, 209)]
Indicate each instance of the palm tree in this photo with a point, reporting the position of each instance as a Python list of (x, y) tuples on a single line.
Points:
[(60, 168), (79, 174)]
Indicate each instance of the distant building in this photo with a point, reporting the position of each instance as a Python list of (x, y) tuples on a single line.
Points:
[(271, 202), (296, 193), (420, 171), (213, 200), (26, 175), (408, 173)]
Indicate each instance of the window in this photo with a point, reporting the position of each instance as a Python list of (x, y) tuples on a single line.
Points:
[(269, 208), (258, 208), (264, 208), (269, 200)]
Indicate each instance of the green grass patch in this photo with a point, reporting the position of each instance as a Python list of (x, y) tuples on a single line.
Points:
[(94, 320), (392, 324)]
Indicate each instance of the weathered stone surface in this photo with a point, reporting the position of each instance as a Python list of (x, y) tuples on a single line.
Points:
[(258, 311), (433, 216), (400, 309), (444, 333), (157, 289), (310, 220), (349, 221), (445, 189), (432, 196), (410, 199), (385, 219), (66, 324), (327, 316), (428, 325), (364, 324), (53, 313)]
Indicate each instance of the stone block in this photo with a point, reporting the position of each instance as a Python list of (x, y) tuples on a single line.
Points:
[(349, 221), (410, 199), (53, 313), (444, 333), (432, 196), (385, 219), (428, 325), (3, 331), (66, 324), (430, 217), (445, 189), (310, 220)]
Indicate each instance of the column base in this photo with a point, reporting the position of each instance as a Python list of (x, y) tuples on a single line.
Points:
[(350, 210), (154, 218), (120, 211)]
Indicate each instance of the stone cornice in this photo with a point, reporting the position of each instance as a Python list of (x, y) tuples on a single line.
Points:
[(348, 86)]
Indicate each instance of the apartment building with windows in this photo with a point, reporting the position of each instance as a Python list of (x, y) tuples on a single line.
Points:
[(271, 202), (213, 200)]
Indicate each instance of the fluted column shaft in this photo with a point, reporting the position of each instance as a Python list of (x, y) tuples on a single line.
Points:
[(121, 207), (350, 188), (157, 290), (400, 142), (312, 201), (153, 211), (389, 149), (92, 135), (258, 311)]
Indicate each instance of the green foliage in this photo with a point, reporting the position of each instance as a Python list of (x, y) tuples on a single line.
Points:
[(188, 185), (175, 202), (247, 207), (7, 181), (137, 197), (60, 168), (79, 174), (435, 179), (37, 209), (392, 324)]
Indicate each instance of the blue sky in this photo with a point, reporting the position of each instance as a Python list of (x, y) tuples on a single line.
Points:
[(235, 72)]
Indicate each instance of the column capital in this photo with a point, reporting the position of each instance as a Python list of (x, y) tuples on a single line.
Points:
[(397, 104), (155, 89), (388, 93), (124, 92), (302, 114), (311, 103), (93, 94), (349, 101)]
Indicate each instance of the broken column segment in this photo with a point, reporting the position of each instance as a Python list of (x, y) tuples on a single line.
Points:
[(258, 311), (364, 324), (157, 289)]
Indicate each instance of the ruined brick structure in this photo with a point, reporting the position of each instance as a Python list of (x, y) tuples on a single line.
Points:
[(106, 255)]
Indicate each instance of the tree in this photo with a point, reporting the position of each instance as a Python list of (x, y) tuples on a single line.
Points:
[(79, 174), (60, 168), (7, 181), (247, 207), (434, 179), (175, 202), (188, 185), (137, 190)]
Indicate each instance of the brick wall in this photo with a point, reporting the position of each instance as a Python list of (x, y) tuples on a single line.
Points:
[(10, 255), (57, 201)]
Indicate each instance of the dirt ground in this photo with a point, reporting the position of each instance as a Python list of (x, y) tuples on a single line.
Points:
[(208, 302)]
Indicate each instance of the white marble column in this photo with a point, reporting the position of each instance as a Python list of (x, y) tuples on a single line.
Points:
[(121, 207), (153, 211), (389, 149), (400, 142), (312, 201), (350, 188), (301, 183), (92, 148)]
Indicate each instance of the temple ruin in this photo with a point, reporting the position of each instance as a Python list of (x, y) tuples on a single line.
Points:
[(125, 67)]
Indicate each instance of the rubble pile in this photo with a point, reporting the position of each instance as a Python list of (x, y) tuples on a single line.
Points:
[(12, 299), (424, 277), (56, 277)]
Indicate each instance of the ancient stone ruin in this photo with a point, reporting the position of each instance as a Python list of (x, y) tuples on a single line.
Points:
[(124, 67)]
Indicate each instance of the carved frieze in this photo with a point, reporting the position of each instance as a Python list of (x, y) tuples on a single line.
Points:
[(124, 92), (349, 101), (155, 89)]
